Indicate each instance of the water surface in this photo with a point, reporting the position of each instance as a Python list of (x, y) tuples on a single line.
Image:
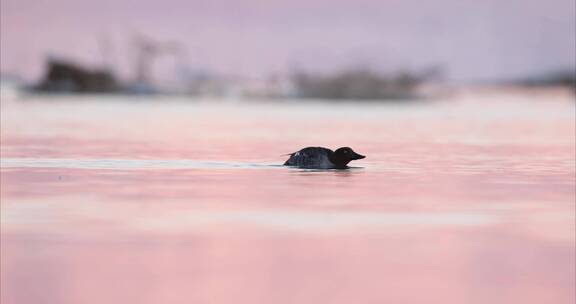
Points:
[(167, 201)]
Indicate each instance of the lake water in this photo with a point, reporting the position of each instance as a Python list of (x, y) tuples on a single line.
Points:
[(162, 200)]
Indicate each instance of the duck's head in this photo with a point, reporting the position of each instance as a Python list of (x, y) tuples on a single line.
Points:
[(342, 156)]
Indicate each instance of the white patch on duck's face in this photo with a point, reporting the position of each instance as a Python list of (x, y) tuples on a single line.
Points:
[(297, 153)]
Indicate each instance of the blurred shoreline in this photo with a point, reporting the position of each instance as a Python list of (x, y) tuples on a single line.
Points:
[(428, 94), (359, 84)]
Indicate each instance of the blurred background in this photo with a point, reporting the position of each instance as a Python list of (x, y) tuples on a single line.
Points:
[(142, 145), (284, 48)]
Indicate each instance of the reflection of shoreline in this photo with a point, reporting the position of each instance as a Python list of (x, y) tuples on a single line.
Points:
[(467, 94), (492, 92)]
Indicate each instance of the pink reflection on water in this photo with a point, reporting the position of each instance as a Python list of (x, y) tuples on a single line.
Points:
[(444, 265), (184, 207), (263, 187)]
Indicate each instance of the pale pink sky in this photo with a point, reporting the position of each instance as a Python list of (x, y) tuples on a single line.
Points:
[(473, 40)]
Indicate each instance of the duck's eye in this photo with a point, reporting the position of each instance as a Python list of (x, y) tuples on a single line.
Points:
[(345, 151)]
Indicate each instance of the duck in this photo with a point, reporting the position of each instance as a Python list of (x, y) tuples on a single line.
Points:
[(322, 158)]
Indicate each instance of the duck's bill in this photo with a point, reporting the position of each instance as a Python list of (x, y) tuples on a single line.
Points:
[(358, 156)]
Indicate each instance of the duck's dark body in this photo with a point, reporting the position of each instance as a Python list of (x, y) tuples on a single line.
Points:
[(322, 158), (311, 157)]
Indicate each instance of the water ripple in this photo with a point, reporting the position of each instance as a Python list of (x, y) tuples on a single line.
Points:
[(123, 164)]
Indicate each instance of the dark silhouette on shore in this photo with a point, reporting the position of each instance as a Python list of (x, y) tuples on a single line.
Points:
[(565, 78), (362, 83), (65, 77)]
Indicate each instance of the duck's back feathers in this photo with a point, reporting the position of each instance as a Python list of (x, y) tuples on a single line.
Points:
[(311, 157)]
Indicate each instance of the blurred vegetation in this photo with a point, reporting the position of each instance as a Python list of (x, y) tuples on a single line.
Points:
[(564, 78), (66, 77), (362, 83)]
